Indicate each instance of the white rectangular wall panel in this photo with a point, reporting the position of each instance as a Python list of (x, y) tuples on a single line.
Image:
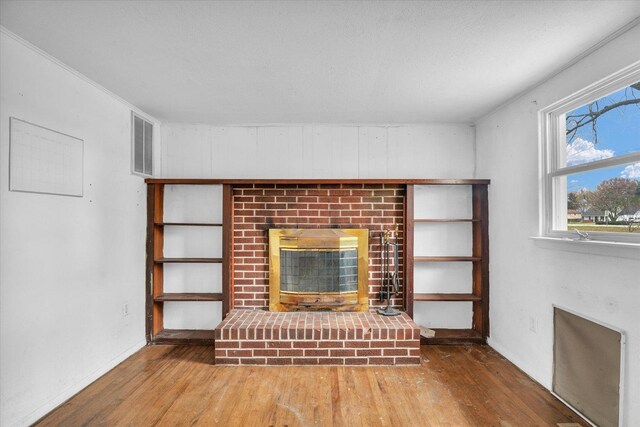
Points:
[(192, 242), (275, 148), (233, 152), (442, 202), (192, 278), (372, 152), (453, 315), (44, 161), (192, 315), (193, 203), (318, 151), (443, 239), (334, 151), (443, 277), (195, 143)]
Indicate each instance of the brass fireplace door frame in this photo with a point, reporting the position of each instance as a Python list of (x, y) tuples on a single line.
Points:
[(319, 239)]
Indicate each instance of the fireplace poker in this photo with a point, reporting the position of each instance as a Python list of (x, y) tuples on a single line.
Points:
[(389, 280)]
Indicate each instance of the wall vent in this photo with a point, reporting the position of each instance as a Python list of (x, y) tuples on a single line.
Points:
[(587, 367), (142, 145)]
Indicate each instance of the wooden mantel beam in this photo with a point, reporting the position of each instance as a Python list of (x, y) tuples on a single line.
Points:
[(203, 181)]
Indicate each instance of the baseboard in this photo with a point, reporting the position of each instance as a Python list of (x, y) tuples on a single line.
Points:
[(524, 367), (73, 389)]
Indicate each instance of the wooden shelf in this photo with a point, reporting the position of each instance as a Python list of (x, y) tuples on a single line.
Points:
[(185, 337), (454, 336), (446, 297), (446, 220), (156, 297), (190, 224), (189, 260), (446, 258), (478, 257), (189, 297)]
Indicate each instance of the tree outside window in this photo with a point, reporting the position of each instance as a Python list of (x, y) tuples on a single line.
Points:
[(603, 198)]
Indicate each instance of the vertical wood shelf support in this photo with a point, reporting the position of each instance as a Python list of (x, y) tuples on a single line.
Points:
[(227, 249), (154, 271), (149, 264), (481, 268), (158, 253), (408, 250)]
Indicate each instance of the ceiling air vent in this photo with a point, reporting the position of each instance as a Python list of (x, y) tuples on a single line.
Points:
[(142, 136)]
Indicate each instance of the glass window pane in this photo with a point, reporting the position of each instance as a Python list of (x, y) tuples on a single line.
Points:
[(599, 200), (605, 128)]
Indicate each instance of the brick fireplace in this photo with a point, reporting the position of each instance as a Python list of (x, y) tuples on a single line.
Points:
[(257, 208), (251, 334)]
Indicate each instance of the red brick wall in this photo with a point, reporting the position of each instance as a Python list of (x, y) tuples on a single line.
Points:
[(260, 207)]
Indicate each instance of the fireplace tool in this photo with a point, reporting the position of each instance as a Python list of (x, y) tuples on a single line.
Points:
[(390, 280)]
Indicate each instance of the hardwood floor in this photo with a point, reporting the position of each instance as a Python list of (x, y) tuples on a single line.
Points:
[(464, 385)]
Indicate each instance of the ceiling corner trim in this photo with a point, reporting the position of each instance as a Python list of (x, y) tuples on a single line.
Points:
[(5, 31)]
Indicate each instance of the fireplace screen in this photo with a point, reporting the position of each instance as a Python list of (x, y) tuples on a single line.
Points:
[(319, 269)]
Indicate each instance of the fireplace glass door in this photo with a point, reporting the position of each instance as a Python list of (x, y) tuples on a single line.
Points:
[(318, 269)]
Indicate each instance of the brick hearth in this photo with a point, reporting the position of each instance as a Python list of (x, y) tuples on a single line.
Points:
[(258, 337)]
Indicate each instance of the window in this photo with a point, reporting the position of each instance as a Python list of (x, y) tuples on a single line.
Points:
[(590, 162), (142, 145)]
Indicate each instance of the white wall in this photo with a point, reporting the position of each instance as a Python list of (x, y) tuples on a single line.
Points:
[(339, 151), (318, 151), (527, 277), (67, 264)]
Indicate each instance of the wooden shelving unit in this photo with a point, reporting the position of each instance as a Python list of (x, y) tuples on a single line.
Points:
[(479, 297), (156, 296)]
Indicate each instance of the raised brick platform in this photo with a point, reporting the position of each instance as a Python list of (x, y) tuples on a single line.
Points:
[(257, 337)]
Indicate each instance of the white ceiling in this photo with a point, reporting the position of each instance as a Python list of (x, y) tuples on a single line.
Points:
[(316, 62)]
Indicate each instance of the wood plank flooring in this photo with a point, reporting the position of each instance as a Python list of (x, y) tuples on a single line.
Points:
[(464, 385)]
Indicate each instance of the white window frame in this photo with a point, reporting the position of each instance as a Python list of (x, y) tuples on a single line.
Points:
[(134, 115), (553, 153)]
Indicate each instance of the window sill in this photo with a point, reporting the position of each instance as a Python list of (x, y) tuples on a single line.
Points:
[(594, 247)]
